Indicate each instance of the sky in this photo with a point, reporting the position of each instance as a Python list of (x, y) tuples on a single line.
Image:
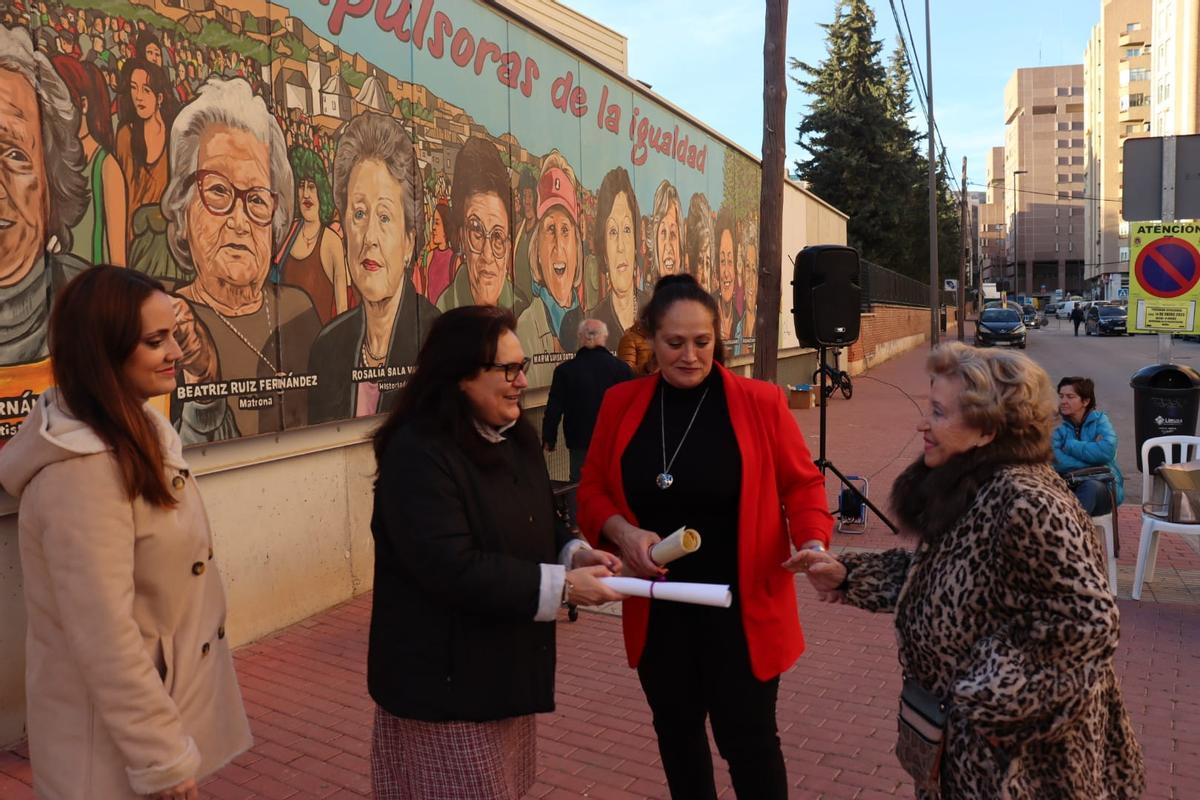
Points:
[(706, 57)]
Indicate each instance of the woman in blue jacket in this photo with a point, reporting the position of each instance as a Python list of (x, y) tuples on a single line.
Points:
[(1085, 438)]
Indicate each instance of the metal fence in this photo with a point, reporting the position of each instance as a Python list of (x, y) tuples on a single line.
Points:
[(882, 285)]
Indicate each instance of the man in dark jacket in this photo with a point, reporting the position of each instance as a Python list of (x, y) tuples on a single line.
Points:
[(1077, 317), (576, 390)]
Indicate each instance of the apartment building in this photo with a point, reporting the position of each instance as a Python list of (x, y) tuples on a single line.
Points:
[(994, 265), (1117, 107), (1044, 169), (975, 201), (1175, 68)]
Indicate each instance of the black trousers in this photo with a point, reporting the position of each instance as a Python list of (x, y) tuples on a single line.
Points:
[(696, 666)]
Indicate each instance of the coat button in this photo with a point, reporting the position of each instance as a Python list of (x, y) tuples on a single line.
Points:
[(221, 632), (177, 482), (204, 649), (198, 568)]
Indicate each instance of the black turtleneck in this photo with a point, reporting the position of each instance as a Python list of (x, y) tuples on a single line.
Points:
[(708, 476)]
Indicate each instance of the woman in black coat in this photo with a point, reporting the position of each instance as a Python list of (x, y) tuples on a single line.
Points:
[(471, 569)]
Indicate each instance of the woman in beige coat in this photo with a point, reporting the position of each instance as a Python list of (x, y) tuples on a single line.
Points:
[(130, 686)]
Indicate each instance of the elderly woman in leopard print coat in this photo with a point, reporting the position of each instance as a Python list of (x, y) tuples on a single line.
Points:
[(1003, 609)]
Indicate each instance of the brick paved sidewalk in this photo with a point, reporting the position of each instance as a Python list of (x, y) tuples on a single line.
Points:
[(305, 687), (305, 692)]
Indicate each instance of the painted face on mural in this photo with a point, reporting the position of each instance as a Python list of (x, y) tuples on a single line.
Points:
[(725, 266), (310, 204), (558, 254), (485, 241), (703, 266), (666, 240), (378, 244), (437, 234), (154, 54), (23, 190), (232, 251), (750, 278), (684, 343), (145, 100), (528, 204), (619, 245)]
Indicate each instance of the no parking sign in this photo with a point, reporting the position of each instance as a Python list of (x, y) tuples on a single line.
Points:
[(1164, 277)]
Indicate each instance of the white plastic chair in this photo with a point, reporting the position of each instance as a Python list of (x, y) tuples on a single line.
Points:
[(1153, 524), (1105, 522)]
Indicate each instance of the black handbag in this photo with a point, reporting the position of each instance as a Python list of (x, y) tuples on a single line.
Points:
[(922, 734), (1076, 477)]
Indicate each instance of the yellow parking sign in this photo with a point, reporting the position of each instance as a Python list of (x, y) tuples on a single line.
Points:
[(1164, 277)]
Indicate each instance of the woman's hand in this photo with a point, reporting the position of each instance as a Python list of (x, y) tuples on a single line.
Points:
[(587, 557), (634, 544), (586, 588), (181, 791), (824, 572)]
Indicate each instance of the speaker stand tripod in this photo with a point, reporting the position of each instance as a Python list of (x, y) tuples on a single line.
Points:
[(824, 464)]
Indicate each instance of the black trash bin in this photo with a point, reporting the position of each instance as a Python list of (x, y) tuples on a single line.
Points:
[(943, 319), (1166, 398)]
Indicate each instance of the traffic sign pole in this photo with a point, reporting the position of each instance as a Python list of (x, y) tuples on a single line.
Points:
[(1168, 215)]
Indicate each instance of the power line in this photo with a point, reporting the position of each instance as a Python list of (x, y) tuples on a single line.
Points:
[(1008, 264), (919, 82), (1050, 194), (917, 57)]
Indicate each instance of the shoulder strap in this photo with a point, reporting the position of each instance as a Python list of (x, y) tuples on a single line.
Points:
[(98, 223), (289, 241)]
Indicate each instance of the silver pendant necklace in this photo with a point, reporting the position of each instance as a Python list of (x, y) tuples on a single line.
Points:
[(665, 478), (267, 308)]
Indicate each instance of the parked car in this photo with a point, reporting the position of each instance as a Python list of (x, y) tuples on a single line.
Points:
[(1000, 326), (1103, 319), (1050, 309), (1064, 310)]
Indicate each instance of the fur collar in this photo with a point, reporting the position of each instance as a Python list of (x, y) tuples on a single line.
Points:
[(930, 502)]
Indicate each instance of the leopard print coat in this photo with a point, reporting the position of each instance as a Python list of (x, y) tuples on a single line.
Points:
[(1009, 615)]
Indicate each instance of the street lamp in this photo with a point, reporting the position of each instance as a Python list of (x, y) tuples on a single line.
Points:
[(1016, 212)]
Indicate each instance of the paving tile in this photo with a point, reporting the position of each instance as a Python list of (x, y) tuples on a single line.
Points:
[(312, 717)]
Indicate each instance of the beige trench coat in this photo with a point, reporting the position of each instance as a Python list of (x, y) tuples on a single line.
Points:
[(129, 679)]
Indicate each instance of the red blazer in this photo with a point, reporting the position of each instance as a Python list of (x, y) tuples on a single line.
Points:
[(782, 495)]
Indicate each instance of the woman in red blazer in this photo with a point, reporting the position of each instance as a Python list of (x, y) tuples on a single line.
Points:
[(696, 445)]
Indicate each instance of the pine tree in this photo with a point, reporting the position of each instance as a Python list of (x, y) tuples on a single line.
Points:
[(865, 154), (950, 245), (909, 181), (848, 133)]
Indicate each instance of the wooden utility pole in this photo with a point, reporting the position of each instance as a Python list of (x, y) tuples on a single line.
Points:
[(770, 215), (964, 267)]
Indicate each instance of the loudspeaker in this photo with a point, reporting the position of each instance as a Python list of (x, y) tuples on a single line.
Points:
[(826, 295)]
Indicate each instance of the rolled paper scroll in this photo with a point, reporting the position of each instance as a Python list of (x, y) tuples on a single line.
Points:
[(678, 544), (702, 594)]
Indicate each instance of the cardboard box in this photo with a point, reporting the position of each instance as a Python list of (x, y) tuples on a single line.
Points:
[(802, 398)]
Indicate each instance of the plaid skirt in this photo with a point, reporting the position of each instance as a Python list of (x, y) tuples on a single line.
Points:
[(415, 760)]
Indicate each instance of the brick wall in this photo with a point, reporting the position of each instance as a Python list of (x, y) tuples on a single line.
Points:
[(888, 331)]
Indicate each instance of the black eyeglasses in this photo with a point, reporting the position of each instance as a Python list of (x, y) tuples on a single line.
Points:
[(511, 371)]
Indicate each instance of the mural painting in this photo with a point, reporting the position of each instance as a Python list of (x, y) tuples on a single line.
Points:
[(316, 182)]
